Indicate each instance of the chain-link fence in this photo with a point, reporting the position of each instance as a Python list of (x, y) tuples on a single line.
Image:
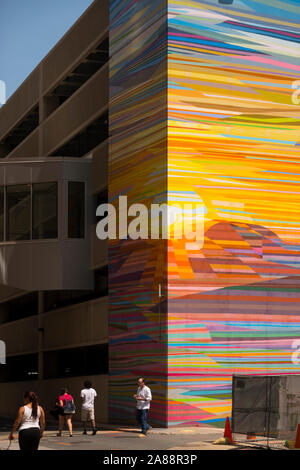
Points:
[(265, 409)]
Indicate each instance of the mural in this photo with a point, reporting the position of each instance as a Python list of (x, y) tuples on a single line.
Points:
[(233, 134), (208, 116), (138, 170)]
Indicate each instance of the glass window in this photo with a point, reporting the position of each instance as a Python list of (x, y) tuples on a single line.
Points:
[(44, 210), (76, 212), (19, 307), (88, 360), (101, 281), (55, 299), (20, 368), (18, 212), (1, 213), (102, 197)]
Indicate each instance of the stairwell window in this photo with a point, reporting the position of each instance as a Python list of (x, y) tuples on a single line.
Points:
[(76, 209), (44, 210), (18, 212), (1, 213)]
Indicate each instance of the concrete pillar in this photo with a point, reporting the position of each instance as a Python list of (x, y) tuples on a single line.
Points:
[(41, 336)]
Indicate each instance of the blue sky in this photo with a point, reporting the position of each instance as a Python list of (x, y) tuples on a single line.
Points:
[(28, 30)]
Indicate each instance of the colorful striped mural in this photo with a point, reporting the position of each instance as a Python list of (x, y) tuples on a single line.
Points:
[(206, 115), (138, 170), (233, 133)]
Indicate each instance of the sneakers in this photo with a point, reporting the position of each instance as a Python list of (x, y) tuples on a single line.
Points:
[(142, 435), (93, 433), (149, 429)]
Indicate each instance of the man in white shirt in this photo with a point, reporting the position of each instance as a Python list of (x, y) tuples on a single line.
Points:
[(88, 395), (143, 398)]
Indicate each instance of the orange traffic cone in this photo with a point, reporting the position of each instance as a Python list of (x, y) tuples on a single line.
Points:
[(227, 431), (297, 442)]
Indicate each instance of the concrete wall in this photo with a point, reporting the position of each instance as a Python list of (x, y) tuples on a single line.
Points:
[(53, 131), (86, 323), (90, 29), (89, 326), (100, 167), (23, 262), (29, 147), (48, 390), (20, 337), (20, 103), (76, 113), (68, 52)]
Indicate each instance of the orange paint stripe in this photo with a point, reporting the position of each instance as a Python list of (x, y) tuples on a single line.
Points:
[(239, 317)]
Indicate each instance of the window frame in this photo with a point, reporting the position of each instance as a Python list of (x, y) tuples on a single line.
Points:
[(5, 206), (2, 189), (6, 213), (56, 183), (84, 211)]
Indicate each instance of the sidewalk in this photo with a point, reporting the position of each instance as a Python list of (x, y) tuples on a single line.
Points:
[(126, 437), (166, 431), (5, 425), (115, 437)]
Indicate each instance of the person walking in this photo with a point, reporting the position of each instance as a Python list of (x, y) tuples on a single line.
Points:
[(31, 423), (66, 403), (56, 410), (88, 395), (143, 398)]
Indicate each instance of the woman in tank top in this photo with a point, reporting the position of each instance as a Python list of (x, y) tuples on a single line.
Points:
[(31, 423), (67, 407)]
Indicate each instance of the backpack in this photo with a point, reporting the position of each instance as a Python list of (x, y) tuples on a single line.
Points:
[(69, 407)]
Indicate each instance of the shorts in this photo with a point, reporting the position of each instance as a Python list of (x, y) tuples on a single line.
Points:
[(87, 415)]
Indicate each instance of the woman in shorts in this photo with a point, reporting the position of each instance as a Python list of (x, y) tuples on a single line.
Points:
[(66, 402)]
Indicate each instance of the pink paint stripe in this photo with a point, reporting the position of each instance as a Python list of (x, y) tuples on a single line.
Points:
[(182, 35), (264, 60), (259, 28)]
